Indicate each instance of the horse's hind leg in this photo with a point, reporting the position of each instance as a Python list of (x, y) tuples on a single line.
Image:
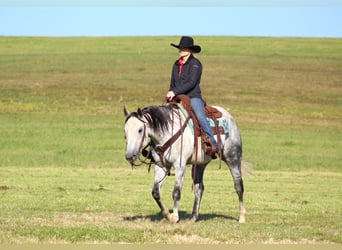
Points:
[(233, 159), (177, 190), (197, 177), (238, 184), (160, 174)]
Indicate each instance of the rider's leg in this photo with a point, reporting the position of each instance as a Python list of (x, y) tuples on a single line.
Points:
[(197, 105)]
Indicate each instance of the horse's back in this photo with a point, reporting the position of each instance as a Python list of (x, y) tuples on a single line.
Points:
[(234, 133)]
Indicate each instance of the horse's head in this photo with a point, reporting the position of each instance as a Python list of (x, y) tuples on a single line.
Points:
[(135, 134)]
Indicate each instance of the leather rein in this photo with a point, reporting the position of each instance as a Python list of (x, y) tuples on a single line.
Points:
[(160, 150)]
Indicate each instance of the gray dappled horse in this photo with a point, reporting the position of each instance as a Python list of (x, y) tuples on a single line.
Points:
[(160, 123)]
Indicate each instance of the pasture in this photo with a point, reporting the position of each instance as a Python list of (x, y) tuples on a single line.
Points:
[(63, 176)]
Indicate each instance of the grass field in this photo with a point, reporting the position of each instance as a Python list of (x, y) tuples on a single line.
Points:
[(63, 176)]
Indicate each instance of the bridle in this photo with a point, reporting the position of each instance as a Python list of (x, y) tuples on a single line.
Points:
[(141, 160)]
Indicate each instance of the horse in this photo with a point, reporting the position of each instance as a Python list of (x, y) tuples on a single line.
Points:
[(156, 126)]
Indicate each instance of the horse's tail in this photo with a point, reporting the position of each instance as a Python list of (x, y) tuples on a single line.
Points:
[(247, 169)]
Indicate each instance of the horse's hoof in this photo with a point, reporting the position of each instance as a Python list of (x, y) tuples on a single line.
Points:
[(174, 218), (167, 216), (242, 220), (193, 219)]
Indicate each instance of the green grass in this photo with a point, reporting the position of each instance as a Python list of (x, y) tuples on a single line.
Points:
[(63, 176), (63, 204)]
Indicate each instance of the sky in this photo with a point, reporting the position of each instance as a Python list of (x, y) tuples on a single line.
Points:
[(277, 18)]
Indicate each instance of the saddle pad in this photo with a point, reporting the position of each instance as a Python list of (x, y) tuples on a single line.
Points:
[(222, 122)]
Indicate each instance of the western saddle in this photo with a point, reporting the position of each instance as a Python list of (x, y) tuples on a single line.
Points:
[(211, 113)]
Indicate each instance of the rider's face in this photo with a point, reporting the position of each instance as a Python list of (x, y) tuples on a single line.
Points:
[(184, 52)]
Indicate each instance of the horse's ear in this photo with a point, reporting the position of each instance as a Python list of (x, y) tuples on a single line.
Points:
[(140, 113), (126, 112)]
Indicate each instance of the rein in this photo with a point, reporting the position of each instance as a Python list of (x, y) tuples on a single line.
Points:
[(142, 161), (160, 150)]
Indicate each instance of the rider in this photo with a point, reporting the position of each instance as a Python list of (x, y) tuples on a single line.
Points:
[(185, 79)]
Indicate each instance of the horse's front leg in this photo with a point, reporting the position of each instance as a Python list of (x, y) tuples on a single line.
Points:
[(177, 190), (160, 174)]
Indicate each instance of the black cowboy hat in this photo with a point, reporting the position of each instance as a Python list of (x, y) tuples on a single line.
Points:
[(187, 42)]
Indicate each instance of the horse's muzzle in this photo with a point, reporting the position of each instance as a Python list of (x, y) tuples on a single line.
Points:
[(131, 157)]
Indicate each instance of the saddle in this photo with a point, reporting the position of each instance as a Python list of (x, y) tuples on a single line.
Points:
[(211, 113)]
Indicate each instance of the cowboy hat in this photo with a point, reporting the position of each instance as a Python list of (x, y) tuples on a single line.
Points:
[(187, 42)]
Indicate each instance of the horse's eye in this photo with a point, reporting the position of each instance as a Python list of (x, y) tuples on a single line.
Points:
[(140, 130)]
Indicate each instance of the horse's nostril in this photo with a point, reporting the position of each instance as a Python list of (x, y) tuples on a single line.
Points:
[(131, 157)]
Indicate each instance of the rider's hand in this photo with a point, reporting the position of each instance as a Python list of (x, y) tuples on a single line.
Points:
[(170, 95)]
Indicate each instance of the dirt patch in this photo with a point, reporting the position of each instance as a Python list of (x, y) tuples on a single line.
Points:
[(190, 239), (300, 241), (77, 220)]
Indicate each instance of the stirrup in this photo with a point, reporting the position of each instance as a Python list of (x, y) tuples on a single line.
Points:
[(214, 156), (210, 149)]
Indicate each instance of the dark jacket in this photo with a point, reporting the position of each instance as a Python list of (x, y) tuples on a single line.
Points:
[(189, 81)]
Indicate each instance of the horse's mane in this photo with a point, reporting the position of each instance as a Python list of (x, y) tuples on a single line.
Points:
[(157, 117)]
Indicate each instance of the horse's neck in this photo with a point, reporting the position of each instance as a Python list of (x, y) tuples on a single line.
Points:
[(160, 136)]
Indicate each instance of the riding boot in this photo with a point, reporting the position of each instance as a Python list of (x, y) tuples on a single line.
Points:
[(210, 149)]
